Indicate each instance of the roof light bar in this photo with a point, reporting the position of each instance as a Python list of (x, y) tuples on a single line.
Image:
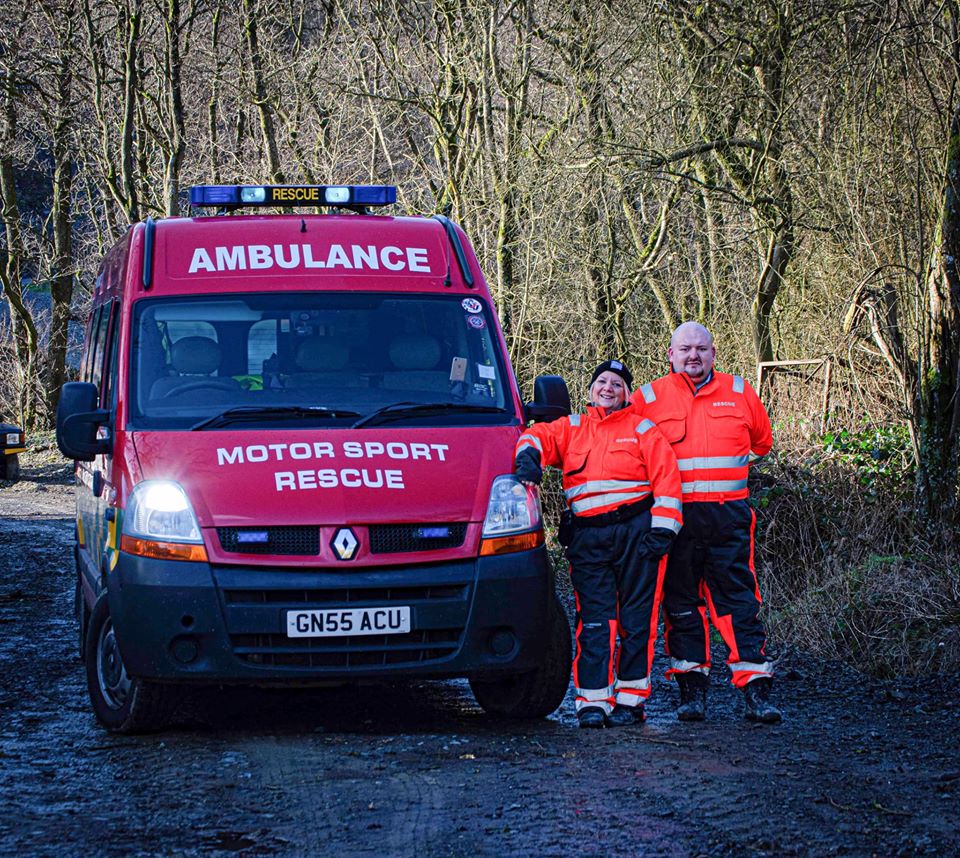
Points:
[(348, 196)]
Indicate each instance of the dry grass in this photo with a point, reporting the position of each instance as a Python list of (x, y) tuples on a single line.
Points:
[(848, 570)]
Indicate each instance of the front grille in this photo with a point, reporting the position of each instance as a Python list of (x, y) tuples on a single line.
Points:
[(400, 538), (440, 611), (403, 595), (304, 540), (414, 647)]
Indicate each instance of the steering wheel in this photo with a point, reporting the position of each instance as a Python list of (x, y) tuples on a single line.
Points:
[(201, 384)]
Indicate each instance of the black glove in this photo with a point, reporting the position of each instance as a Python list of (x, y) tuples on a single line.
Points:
[(659, 540), (527, 467)]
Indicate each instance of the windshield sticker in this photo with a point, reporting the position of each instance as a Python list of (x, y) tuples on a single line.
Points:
[(481, 389), (476, 322), (372, 453), (486, 371), (458, 369), (471, 305)]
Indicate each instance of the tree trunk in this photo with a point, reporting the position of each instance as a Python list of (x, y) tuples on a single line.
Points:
[(937, 408), (251, 14), (13, 255), (131, 93), (62, 275), (178, 136), (213, 137)]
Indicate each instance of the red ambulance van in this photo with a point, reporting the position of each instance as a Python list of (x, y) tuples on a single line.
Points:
[(294, 437)]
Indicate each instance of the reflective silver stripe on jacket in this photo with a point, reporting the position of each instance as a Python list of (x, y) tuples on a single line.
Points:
[(765, 669), (606, 500), (713, 486), (755, 456), (648, 394), (528, 441), (644, 426), (698, 462), (574, 419), (602, 486), (737, 384), (667, 502), (665, 523)]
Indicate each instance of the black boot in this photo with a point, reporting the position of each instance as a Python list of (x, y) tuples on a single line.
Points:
[(693, 696), (759, 708), (591, 717), (624, 716)]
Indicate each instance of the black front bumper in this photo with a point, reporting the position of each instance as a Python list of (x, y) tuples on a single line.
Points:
[(182, 621)]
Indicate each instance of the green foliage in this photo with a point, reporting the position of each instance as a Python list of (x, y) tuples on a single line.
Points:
[(875, 454)]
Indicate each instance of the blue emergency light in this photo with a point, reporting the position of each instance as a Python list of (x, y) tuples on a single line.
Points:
[(345, 196)]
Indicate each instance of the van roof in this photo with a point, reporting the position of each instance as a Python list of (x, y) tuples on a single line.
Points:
[(293, 252)]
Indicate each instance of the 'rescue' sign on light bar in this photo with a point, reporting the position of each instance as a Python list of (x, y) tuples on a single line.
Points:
[(226, 196)]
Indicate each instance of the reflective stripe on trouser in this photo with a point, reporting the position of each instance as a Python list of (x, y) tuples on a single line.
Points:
[(632, 692), (601, 698), (711, 566), (618, 587)]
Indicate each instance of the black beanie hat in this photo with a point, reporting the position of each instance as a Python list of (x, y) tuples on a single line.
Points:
[(613, 366)]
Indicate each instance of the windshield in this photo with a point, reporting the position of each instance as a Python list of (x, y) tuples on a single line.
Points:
[(325, 359)]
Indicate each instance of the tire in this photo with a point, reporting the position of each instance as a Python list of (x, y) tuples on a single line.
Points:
[(538, 693), (10, 467), (122, 704)]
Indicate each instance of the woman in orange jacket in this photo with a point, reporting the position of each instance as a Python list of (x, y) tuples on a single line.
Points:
[(622, 488)]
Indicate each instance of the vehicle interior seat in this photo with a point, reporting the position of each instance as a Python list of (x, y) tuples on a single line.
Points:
[(193, 360), (322, 362), (415, 359)]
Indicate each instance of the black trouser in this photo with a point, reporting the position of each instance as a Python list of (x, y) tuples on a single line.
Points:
[(711, 567), (618, 584)]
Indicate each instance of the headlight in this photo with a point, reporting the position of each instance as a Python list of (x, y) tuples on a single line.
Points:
[(159, 510), (513, 508), (13, 439)]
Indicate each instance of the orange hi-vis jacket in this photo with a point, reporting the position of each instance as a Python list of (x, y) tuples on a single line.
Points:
[(609, 460), (716, 431)]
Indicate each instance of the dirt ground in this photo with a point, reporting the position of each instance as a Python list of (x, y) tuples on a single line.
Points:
[(858, 767)]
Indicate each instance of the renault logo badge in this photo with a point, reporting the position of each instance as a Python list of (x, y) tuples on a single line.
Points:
[(344, 544)]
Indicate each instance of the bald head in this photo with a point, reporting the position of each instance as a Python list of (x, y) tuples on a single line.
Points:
[(692, 351)]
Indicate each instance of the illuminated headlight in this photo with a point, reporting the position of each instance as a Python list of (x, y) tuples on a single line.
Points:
[(337, 195), (13, 439), (513, 508), (159, 510), (253, 195)]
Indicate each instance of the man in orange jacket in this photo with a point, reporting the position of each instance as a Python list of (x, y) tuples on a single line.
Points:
[(622, 488), (717, 426)]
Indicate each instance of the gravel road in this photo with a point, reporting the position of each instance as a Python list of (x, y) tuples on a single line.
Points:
[(859, 767)]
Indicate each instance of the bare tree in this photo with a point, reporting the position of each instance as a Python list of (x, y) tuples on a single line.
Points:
[(13, 253)]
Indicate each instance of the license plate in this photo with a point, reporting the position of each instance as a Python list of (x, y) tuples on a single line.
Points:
[(343, 622)]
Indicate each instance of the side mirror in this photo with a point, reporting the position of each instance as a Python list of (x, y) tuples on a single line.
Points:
[(551, 399), (78, 420)]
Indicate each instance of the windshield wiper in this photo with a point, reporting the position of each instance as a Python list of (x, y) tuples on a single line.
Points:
[(269, 412), (403, 409)]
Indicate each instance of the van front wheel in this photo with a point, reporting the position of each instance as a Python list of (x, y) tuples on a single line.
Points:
[(123, 704), (538, 693)]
